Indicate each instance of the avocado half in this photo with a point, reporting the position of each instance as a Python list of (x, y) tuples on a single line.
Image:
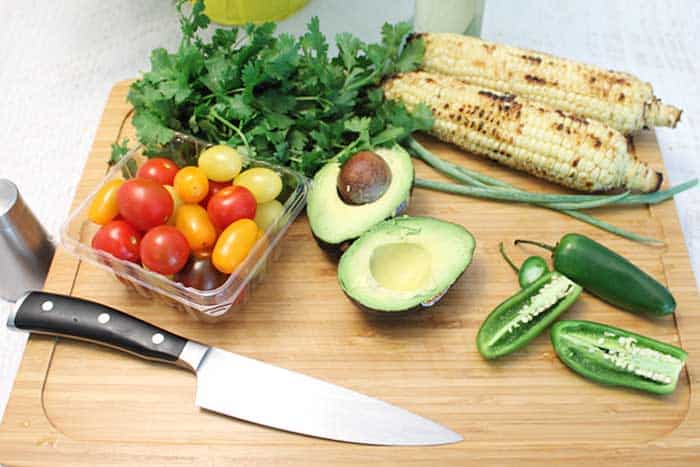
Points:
[(405, 263), (334, 223)]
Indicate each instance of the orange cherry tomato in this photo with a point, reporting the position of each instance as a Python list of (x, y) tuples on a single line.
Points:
[(191, 184), (104, 206), (193, 222), (234, 244)]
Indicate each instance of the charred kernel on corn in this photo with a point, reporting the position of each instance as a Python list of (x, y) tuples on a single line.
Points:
[(552, 144), (619, 99)]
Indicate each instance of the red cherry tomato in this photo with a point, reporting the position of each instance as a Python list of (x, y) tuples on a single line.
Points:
[(160, 170), (164, 249), (231, 204), (144, 203), (214, 188), (119, 239)]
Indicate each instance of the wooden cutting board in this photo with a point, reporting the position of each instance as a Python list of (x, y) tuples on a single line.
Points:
[(77, 404)]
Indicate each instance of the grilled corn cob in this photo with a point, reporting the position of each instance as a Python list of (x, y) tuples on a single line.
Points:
[(618, 99), (564, 148)]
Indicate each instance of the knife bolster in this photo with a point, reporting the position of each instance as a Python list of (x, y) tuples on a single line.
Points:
[(192, 355)]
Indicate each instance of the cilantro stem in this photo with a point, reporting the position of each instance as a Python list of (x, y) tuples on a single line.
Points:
[(230, 125)]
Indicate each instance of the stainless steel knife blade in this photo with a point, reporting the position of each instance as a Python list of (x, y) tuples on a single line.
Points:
[(251, 390)]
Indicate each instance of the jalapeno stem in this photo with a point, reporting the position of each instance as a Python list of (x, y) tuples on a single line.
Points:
[(505, 257), (532, 242)]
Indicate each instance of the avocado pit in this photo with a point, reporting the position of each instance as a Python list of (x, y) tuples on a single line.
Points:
[(364, 178)]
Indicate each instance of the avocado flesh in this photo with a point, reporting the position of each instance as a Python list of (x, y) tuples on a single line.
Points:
[(333, 221), (404, 263)]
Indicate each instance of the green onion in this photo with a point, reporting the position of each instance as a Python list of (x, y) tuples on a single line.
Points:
[(472, 183), (519, 196)]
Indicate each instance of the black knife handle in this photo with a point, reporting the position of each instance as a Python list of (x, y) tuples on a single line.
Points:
[(61, 315)]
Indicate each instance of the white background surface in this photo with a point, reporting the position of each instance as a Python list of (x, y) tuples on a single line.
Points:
[(58, 61)]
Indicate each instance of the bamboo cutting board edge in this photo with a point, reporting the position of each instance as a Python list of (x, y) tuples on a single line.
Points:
[(29, 437)]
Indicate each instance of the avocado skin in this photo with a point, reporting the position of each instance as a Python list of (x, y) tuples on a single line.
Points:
[(335, 250), (412, 311)]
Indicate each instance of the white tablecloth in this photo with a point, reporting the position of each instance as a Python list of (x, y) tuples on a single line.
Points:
[(58, 61)]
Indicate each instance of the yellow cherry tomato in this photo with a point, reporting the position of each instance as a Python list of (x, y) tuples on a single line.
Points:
[(177, 202), (221, 163), (264, 183), (234, 244), (104, 205), (191, 184), (267, 213), (193, 222)]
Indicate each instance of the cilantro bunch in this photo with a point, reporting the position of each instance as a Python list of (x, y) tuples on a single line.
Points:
[(276, 97)]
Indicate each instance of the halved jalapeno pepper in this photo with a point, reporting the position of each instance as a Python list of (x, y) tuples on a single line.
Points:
[(617, 357), (518, 320)]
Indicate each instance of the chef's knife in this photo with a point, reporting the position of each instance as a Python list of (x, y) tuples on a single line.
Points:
[(233, 385)]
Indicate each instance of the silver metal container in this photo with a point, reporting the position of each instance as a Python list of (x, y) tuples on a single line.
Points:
[(25, 249)]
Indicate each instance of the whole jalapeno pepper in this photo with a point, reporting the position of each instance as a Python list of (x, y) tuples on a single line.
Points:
[(519, 319), (617, 357), (608, 275), (532, 268)]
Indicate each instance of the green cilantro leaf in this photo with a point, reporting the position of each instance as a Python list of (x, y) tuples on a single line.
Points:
[(411, 56), (348, 46), (150, 130), (275, 97), (119, 150)]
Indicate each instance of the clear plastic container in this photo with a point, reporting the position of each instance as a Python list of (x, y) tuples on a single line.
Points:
[(210, 305)]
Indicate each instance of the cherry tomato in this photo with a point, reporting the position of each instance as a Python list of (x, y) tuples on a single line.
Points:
[(233, 245), (193, 221), (177, 202), (144, 203), (159, 170), (214, 188), (267, 213), (191, 184), (221, 163), (119, 239), (264, 183), (200, 273), (229, 205), (104, 205), (164, 250)]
